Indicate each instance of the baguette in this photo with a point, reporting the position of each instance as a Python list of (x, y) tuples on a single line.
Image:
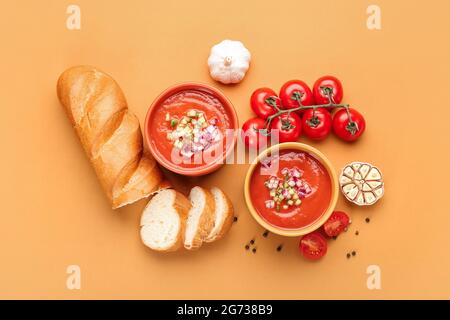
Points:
[(200, 218), (223, 215), (163, 221), (110, 135)]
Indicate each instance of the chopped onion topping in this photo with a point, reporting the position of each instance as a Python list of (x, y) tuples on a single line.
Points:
[(287, 191), (193, 133)]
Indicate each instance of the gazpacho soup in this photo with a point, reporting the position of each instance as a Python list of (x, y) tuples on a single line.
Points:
[(290, 190), (189, 129)]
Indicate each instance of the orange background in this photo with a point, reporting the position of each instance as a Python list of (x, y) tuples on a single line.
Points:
[(54, 213)]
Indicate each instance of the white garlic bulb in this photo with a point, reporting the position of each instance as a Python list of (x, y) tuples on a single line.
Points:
[(229, 61), (361, 183)]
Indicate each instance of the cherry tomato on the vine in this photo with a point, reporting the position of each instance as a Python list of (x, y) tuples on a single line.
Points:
[(313, 246), (263, 101), (293, 91), (316, 124), (289, 127), (330, 85), (251, 134), (348, 128)]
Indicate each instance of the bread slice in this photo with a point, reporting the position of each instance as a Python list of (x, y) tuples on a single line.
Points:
[(223, 215), (163, 221), (200, 219)]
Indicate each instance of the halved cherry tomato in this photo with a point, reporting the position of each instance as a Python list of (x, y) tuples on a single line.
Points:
[(336, 223), (251, 133), (289, 127), (346, 129), (262, 101), (313, 246), (295, 90), (328, 84), (316, 124)]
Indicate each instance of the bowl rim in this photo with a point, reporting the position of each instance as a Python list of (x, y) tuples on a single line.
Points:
[(334, 190), (200, 87)]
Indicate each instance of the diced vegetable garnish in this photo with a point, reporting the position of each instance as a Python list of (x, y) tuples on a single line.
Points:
[(193, 133), (287, 191)]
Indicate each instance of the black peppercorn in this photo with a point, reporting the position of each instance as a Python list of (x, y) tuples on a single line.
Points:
[(357, 232), (348, 255), (247, 247), (367, 220), (252, 241), (265, 234), (235, 219), (280, 247), (353, 253), (254, 250)]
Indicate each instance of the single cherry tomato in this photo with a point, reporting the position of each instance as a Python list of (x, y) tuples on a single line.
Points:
[(263, 102), (251, 132), (313, 246), (326, 86), (295, 90), (316, 124), (348, 128), (289, 127), (336, 223)]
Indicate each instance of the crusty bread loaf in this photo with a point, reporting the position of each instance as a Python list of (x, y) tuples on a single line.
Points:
[(200, 218), (109, 133), (163, 221), (223, 215)]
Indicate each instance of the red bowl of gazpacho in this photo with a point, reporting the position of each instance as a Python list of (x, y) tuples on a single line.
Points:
[(191, 128), (291, 189)]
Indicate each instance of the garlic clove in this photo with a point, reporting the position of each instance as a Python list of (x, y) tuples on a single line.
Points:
[(353, 192), (349, 171), (364, 170), (344, 180), (369, 197), (360, 198), (374, 174)]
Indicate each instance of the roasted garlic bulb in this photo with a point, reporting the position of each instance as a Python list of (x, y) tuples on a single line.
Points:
[(361, 183)]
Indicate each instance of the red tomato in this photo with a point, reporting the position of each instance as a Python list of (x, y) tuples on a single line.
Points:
[(293, 90), (313, 246), (251, 133), (289, 127), (320, 88), (346, 129), (316, 124), (261, 101), (337, 223)]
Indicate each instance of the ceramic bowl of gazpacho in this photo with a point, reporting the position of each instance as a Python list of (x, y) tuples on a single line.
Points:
[(191, 128), (291, 189)]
